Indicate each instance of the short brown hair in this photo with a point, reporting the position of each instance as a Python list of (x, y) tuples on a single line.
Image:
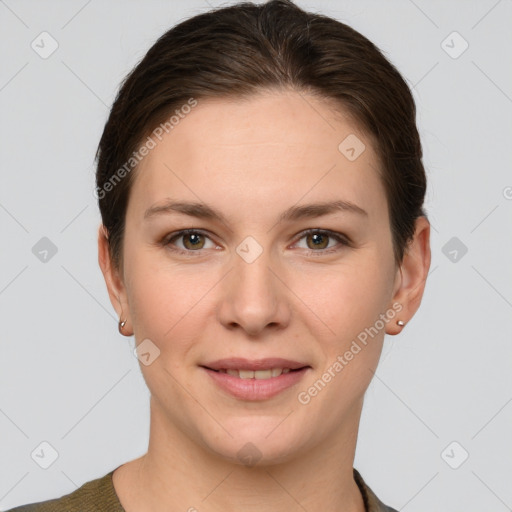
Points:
[(245, 48)]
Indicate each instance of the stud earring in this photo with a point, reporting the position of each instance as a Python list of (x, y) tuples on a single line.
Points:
[(400, 323), (121, 325)]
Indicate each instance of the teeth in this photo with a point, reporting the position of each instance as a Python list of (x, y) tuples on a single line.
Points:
[(263, 374), (256, 374)]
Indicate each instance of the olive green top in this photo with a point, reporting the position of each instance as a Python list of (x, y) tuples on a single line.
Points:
[(100, 496)]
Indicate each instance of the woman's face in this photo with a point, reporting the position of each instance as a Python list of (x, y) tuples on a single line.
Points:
[(250, 284)]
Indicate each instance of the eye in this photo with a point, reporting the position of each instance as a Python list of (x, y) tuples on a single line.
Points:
[(193, 241), (317, 240)]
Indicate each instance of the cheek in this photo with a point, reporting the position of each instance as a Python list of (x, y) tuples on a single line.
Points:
[(166, 304), (345, 299), (155, 296), (349, 302)]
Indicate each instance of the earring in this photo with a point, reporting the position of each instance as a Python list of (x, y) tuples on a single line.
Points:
[(400, 323), (121, 325)]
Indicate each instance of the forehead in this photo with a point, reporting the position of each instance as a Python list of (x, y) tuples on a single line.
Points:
[(268, 149)]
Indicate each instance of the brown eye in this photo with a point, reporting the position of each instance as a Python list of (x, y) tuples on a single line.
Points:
[(188, 241), (193, 241), (318, 240)]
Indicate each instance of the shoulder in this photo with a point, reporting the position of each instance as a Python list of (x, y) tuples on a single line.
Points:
[(93, 496), (371, 502)]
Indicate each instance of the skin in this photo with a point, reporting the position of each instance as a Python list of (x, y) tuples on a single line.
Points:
[(251, 160)]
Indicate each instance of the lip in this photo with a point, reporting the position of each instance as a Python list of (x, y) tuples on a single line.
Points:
[(240, 363), (255, 389)]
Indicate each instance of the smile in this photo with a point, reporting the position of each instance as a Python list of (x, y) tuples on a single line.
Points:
[(254, 385), (255, 374)]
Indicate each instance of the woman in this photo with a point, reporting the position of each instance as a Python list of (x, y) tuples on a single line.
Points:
[(261, 190)]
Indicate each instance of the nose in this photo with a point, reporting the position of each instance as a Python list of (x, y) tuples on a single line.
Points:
[(254, 297)]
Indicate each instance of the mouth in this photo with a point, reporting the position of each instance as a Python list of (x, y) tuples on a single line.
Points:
[(255, 379)]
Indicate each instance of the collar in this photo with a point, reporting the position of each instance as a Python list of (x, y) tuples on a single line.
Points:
[(371, 502)]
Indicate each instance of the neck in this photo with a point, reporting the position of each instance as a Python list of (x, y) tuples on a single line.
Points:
[(178, 474)]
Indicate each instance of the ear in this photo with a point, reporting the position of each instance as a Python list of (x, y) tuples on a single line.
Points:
[(114, 281), (412, 275)]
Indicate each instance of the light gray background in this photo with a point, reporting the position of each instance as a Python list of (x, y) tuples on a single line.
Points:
[(68, 378)]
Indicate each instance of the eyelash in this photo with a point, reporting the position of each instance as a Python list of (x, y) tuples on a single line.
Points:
[(338, 237)]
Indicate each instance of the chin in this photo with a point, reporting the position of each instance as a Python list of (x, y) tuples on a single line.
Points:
[(257, 442)]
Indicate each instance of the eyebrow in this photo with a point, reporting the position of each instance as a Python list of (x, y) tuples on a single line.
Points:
[(203, 211)]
